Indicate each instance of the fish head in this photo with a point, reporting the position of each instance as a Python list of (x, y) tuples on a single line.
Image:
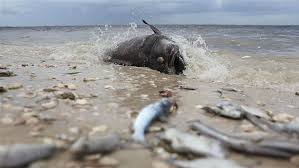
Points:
[(168, 57)]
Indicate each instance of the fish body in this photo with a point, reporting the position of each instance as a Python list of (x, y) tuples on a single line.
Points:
[(158, 110)]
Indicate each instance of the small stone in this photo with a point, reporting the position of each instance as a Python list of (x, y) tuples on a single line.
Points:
[(71, 86), (155, 129), (90, 79), (14, 86), (6, 74), (144, 96), (99, 129), (81, 102), (49, 105), (3, 67), (160, 164), (66, 95), (295, 160), (297, 93), (2, 89), (283, 118), (108, 161)]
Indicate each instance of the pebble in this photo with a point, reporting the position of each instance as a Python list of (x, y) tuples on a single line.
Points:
[(297, 93), (49, 105), (66, 95), (283, 118), (156, 129), (6, 74), (109, 87), (160, 164), (81, 102), (67, 86), (14, 86), (2, 89), (50, 90), (199, 106), (108, 161)]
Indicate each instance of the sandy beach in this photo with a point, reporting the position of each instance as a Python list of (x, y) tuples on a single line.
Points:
[(106, 101)]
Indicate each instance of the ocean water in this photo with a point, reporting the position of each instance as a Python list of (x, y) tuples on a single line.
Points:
[(251, 56)]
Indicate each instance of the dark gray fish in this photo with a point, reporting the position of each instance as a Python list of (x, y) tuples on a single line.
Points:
[(155, 51)]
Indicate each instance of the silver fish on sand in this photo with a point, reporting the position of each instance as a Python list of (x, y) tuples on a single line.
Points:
[(207, 163), (158, 110), (21, 155), (200, 145)]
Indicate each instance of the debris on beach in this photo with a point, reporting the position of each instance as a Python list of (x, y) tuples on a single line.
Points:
[(165, 93), (289, 128), (2, 89), (273, 147), (14, 86), (20, 155), (158, 110), (207, 163), (297, 93), (66, 95), (186, 88), (229, 89), (234, 111), (199, 145), (90, 79), (95, 144), (283, 118), (7, 74)]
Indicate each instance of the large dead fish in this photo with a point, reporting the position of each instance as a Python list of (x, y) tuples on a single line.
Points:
[(21, 155), (159, 110), (200, 145), (207, 163)]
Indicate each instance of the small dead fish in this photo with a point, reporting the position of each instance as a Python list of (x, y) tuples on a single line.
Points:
[(235, 111), (20, 155), (199, 145), (159, 110), (95, 144), (207, 163)]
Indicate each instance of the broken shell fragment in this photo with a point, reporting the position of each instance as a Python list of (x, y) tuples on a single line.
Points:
[(283, 118), (14, 86)]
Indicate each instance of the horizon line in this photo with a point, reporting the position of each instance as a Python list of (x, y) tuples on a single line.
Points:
[(92, 25)]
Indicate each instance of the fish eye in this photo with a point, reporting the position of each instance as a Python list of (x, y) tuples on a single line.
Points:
[(160, 60)]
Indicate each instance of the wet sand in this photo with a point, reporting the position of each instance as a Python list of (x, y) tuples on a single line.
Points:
[(110, 99)]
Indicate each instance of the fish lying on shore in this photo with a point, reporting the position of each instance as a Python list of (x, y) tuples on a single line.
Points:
[(21, 155), (159, 110), (199, 145)]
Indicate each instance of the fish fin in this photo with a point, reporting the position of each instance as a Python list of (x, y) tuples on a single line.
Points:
[(155, 30)]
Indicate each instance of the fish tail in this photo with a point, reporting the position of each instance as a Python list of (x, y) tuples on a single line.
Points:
[(138, 137)]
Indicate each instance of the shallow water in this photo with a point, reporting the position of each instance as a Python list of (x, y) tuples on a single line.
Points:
[(253, 56)]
